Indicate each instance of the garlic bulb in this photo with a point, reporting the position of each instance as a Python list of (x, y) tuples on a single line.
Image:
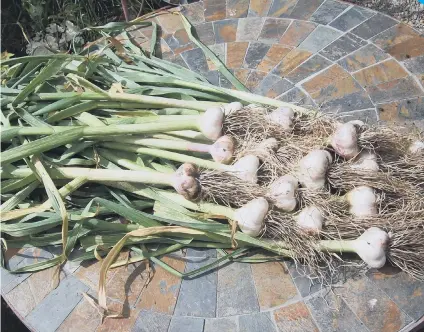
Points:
[(232, 107), (417, 147), (310, 219), (371, 246), (185, 183), (363, 202), (282, 116), (313, 168), (366, 161), (222, 150), (210, 123), (282, 192), (250, 217), (246, 168), (345, 141)]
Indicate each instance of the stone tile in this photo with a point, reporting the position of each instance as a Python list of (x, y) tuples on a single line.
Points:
[(372, 306), (255, 77), (257, 322), (305, 8), (328, 11), (215, 10), (332, 314), (186, 324), (151, 321), (170, 22), (398, 89), (259, 8), (343, 46), (295, 318), (330, 75), (21, 299), (274, 55), (125, 323), (206, 33), (84, 318), (228, 324), (237, 8), (161, 49), (235, 54), (364, 57), (178, 60), (383, 72), (161, 293), (319, 38), (405, 291), (303, 283), (293, 59), (401, 41), (337, 89), (198, 295), (350, 102), (245, 31), (309, 67), (89, 272), (212, 77), (415, 65), (403, 112), (242, 75), (179, 42), (353, 17), (196, 60), (297, 32), (373, 26), (201, 252), (266, 84), (296, 96), (254, 55), (367, 116), (225, 30), (273, 29), (224, 82), (282, 8), (219, 51), (53, 310), (273, 284), (236, 291), (194, 12)]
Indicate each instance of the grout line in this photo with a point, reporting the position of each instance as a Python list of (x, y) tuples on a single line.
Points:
[(344, 11), (270, 6), (414, 77), (373, 65), (316, 10)]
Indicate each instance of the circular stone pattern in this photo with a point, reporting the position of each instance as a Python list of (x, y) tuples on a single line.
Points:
[(326, 54)]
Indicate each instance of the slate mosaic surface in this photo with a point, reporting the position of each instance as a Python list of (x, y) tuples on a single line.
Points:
[(321, 53)]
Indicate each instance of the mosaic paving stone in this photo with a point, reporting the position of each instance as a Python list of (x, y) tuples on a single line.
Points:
[(410, 111), (221, 325), (196, 60), (327, 77), (215, 10), (273, 29), (200, 252), (150, 321), (415, 65), (353, 17), (206, 33), (282, 8), (266, 84), (364, 57), (274, 55), (186, 324), (237, 8), (179, 42), (254, 78), (343, 46), (257, 322), (123, 324), (297, 96), (236, 53), (309, 67), (224, 82), (254, 55), (219, 51), (225, 30), (398, 89), (350, 102), (305, 8), (304, 285), (367, 116), (170, 22), (194, 12), (245, 31), (21, 299), (328, 11), (319, 38), (212, 77), (259, 7), (383, 72), (295, 318), (296, 33), (373, 26), (337, 89), (242, 75), (293, 59)]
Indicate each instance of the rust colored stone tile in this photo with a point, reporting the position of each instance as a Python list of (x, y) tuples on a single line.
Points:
[(225, 31), (254, 79), (401, 41), (235, 54), (403, 112), (43, 282), (273, 29), (380, 73), (170, 22), (275, 54), (242, 74), (336, 90), (237, 8), (89, 272), (215, 10), (274, 285), (297, 32), (324, 79), (179, 42), (364, 57), (259, 7), (282, 8), (21, 299), (161, 294), (194, 12), (293, 59), (84, 318), (305, 8), (295, 318), (119, 324)]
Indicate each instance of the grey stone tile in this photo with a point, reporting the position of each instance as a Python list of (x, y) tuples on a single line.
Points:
[(328, 11), (196, 60), (259, 8), (405, 291), (150, 321), (362, 58), (319, 38), (50, 313), (221, 325), (368, 116), (186, 324), (351, 102), (282, 8), (343, 46), (257, 322), (373, 26), (296, 96), (273, 29), (177, 59), (309, 67), (279, 88), (305, 8), (415, 65), (299, 275), (224, 82), (236, 290), (197, 296), (219, 51), (254, 54), (351, 18), (237, 8), (201, 252), (394, 90), (266, 84), (212, 77), (245, 31), (206, 33), (332, 314), (194, 12)]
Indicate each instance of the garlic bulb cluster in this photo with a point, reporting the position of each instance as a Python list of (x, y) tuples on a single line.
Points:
[(313, 169), (250, 217), (282, 192), (371, 246), (362, 201), (310, 219), (185, 183)]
